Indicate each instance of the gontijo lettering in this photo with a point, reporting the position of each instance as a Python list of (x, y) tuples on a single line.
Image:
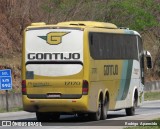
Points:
[(53, 56), (110, 69)]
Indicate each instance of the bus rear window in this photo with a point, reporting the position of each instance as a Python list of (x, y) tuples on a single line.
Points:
[(46, 47)]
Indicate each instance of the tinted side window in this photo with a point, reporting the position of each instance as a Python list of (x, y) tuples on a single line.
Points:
[(112, 46)]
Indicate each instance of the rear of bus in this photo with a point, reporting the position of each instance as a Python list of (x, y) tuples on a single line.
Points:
[(53, 70)]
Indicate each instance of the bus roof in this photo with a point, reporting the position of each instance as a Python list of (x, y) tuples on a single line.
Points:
[(89, 24), (81, 24), (84, 24)]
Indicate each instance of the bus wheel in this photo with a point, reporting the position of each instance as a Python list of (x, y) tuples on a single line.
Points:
[(104, 109), (97, 115), (131, 111)]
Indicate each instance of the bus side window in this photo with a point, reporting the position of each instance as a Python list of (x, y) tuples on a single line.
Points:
[(91, 39)]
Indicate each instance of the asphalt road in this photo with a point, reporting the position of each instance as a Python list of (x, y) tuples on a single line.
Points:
[(150, 110)]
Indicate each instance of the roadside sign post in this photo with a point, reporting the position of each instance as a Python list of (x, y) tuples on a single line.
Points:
[(6, 83), (7, 106)]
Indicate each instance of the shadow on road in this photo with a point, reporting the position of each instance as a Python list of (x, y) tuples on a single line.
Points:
[(70, 120)]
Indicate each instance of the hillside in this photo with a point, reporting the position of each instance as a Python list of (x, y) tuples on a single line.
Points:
[(15, 15)]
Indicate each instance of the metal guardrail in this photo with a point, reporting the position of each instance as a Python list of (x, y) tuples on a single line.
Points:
[(152, 86), (14, 100)]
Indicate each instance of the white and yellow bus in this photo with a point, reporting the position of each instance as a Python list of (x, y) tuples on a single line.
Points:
[(82, 67)]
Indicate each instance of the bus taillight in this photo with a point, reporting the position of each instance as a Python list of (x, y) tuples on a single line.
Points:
[(23, 87), (85, 87)]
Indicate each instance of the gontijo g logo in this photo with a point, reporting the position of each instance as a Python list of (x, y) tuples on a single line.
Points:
[(54, 38)]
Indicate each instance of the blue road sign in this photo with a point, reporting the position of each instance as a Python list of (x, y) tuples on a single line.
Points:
[(5, 79)]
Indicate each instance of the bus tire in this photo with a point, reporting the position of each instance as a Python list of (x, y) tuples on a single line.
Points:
[(104, 109), (47, 116), (96, 115), (131, 111)]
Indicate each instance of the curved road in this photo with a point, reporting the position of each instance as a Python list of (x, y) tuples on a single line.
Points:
[(150, 110)]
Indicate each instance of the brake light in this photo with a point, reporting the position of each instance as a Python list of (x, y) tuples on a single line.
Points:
[(24, 87), (85, 87)]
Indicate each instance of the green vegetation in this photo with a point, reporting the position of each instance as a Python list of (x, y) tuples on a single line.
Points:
[(152, 96), (137, 14)]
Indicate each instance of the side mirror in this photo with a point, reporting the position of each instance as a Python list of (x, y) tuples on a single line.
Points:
[(149, 62), (147, 54)]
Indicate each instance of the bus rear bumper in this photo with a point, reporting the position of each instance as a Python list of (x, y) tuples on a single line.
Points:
[(55, 105)]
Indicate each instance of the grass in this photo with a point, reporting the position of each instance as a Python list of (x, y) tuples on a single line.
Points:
[(152, 96), (11, 109)]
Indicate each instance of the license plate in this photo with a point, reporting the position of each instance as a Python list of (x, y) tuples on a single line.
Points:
[(53, 95)]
